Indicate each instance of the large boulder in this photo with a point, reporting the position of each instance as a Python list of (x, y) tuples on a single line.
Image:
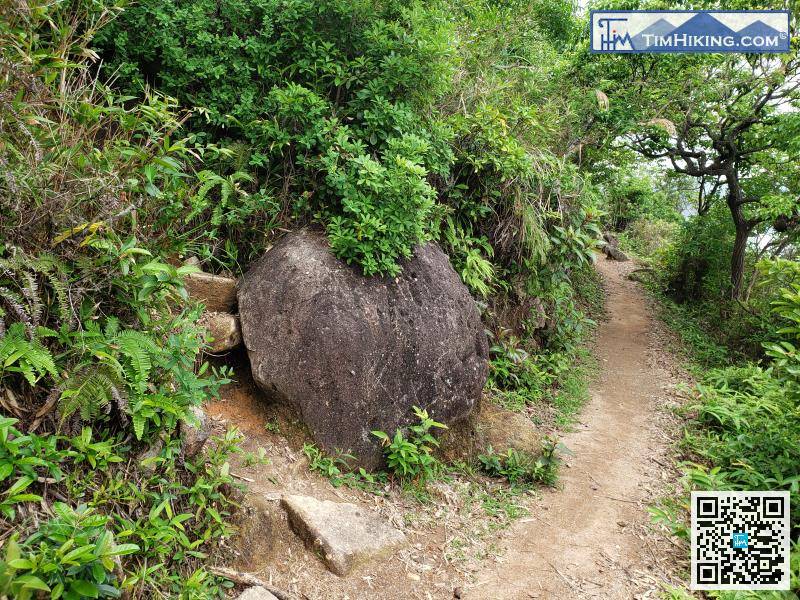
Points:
[(354, 354)]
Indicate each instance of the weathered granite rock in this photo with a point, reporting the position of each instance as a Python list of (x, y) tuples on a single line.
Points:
[(195, 434), (259, 521), (354, 354), (345, 535), (256, 593), (610, 238), (614, 253), (223, 329), (502, 429), (218, 293)]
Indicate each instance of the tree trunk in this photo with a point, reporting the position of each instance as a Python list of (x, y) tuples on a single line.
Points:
[(737, 260), (743, 228)]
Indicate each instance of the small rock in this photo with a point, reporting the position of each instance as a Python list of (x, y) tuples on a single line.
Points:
[(503, 429), (259, 521), (614, 253), (218, 293), (195, 434), (345, 535), (256, 593), (147, 460), (457, 592), (223, 329)]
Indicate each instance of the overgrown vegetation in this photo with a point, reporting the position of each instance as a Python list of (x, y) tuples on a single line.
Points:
[(134, 135), (519, 467)]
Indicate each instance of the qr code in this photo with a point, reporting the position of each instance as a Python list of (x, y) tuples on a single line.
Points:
[(740, 541)]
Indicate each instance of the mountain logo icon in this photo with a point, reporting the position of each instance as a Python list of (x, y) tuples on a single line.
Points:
[(756, 31)]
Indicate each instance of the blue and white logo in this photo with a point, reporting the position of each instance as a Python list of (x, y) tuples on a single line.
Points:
[(751, 31), (739, 540)]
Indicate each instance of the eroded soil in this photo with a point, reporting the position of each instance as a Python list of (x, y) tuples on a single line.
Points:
[(593, 538)]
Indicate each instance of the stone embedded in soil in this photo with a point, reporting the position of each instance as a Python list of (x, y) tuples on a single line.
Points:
[(216, 292), (614, 253), (223, 329), (196, 432), (503, 429), (345, 535), (256, 593), (353, 354)]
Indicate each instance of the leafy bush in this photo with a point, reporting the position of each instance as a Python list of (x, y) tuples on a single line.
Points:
[(98, 345), (411, 458), (338, 471), (327, 96), (743, 428), (522, 468), (72, 556)]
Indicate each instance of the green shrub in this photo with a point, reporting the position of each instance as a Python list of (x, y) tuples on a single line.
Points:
[(328, 96), (696, 265), (410, 456), (72, 556), (338, 471), (522, 468), (744, 426), (98, 345)]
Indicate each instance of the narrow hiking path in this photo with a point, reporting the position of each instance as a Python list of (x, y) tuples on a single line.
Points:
[(592, 538)]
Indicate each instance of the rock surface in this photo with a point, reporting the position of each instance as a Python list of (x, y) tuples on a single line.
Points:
[(353, 354), (218, 293), (259, 522), (256, 593), (223, 329), (195, 434), (614, 253), (503, 429), (345, 535)]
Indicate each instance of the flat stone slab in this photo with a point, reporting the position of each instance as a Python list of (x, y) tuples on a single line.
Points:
[(344, 535), (256, 593), (217, 292)]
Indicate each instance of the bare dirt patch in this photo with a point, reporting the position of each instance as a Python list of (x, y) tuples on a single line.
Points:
[(593, 537)]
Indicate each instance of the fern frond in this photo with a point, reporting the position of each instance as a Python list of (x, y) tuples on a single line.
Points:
[(55, 272), (136, 347), (30, 290), (90, 392), (22, 271), (16, 304), (30, 358)]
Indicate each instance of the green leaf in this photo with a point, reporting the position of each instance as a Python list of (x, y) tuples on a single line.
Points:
[(84, 588), (31, 582)]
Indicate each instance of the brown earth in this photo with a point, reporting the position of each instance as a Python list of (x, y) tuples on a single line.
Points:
[(592, 538)]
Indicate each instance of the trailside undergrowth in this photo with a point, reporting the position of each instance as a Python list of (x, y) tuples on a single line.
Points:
[(101, 353), (742, 421)]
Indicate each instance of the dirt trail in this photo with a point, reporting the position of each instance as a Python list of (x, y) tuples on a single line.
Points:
[(592, 538)]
